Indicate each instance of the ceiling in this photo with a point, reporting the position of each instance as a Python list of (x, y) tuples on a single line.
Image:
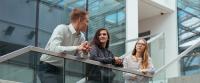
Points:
[(149, 9)]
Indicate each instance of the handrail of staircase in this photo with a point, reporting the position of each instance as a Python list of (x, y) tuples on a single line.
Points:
[(153, 37)]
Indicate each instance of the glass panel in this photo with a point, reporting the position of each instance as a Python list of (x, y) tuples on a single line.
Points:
[(23, 69), (81, 72), (186, 35), (27, 68), (189, 18), (19, 69), (188, 22), (50, 69), (74, 71), (198, 29), (189, 69), (17, 23), (157, 52)]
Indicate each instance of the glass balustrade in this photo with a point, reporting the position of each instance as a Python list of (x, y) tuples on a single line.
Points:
[(22, 69), (187, 63)]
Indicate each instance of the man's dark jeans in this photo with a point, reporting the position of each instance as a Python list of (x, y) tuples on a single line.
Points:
[(49, 73)]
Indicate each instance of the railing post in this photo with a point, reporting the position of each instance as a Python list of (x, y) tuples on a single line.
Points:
[(35, 58)]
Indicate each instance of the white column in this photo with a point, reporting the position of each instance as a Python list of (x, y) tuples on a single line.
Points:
[(131, 23)]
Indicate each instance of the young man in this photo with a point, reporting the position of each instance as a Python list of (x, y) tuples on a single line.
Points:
[(67, 39)]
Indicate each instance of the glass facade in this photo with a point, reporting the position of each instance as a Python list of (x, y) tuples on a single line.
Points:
[(109, 14), (189, 33), (17, 24)]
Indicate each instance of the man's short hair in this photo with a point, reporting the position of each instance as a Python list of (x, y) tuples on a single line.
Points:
[(77, 14)]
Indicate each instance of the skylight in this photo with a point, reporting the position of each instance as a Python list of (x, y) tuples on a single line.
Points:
[(190, 22), (190, 42), (186, 35)]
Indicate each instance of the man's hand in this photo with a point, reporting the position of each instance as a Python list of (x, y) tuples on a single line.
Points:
[(85, 47)]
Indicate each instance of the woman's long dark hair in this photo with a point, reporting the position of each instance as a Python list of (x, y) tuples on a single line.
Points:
[(145, 55), (96, 41)]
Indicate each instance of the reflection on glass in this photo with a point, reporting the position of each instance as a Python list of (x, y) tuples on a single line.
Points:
[(19, 69), (90, 73), (188, 24), (157, 52), (16, 32)]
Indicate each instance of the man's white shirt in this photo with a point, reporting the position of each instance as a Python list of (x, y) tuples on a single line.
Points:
[(63, 39)]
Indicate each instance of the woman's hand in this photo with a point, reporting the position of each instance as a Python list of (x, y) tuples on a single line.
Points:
[(143, 71), (133, 77), (118, 60)]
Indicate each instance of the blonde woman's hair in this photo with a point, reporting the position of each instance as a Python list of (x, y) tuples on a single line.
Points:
[(145, 55)]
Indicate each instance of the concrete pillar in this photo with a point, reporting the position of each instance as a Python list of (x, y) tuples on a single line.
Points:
[(131, 23)]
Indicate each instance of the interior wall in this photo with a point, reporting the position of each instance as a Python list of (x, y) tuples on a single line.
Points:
[(166, 23)]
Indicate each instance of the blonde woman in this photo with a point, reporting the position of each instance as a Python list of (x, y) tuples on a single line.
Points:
[(139, 61)]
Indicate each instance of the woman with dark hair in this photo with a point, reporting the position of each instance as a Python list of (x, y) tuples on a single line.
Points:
[(101, 53), (139, 61)]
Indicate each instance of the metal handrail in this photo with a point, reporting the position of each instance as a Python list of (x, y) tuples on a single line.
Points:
[(157, 35), (43, 51), (184, 53)]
